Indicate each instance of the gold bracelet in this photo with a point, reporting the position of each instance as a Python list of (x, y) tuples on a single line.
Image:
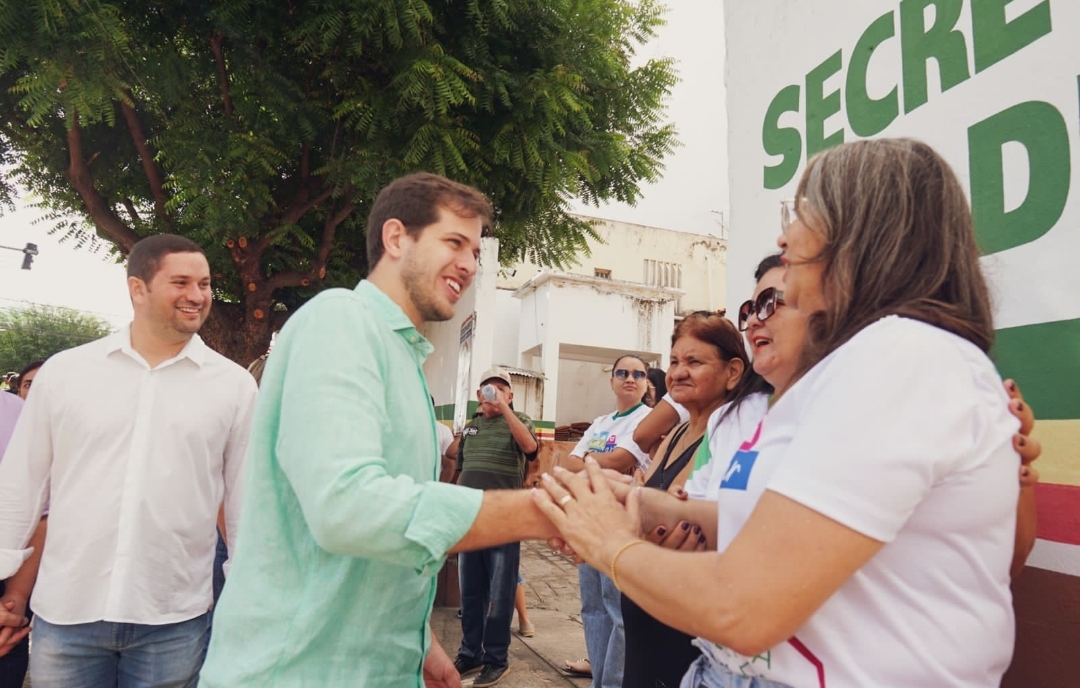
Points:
[(614, 576)]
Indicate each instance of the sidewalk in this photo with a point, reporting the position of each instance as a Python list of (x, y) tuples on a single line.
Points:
[(551, 584)]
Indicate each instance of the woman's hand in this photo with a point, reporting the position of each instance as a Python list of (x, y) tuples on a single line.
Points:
[(684, 537), (1029, 448), (587, 514)]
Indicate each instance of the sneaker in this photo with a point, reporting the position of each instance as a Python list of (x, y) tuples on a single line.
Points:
[(526, 630), (490, 676), (467, 667)]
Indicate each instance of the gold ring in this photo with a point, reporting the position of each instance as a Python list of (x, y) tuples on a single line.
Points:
[(565, 500)]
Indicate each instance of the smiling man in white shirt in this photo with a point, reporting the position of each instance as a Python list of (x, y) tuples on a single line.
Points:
[(135, 471)]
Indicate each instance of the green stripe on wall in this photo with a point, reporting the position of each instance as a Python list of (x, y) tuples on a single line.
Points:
[(1044, 360)]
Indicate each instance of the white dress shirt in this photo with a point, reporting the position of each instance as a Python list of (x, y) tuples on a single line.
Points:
[(10, 405), (136, 462)]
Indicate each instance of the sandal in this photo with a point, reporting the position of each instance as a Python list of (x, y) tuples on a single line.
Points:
[(582, 667)]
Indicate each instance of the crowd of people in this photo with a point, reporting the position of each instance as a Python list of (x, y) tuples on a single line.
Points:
[(832, 491)]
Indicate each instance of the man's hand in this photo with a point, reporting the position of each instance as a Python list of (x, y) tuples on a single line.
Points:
[(439, 671), (13, 623)]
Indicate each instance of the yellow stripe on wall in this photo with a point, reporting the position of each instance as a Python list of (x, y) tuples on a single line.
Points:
[(1060, 460)]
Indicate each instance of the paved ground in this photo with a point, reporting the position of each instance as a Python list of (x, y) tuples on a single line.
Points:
[(555, 610)]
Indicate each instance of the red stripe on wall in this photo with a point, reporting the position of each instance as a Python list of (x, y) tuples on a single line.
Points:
[(1059, 512)]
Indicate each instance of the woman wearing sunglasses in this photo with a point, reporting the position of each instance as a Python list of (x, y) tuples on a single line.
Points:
[(873, 546), (609, 441)]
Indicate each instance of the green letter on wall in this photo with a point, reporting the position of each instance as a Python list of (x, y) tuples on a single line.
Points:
[(941, 42), (1041, 129), (994, 39), (785, 142), (866, 115), (820, 106)]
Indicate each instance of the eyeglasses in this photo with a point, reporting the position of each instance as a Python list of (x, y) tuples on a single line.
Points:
[(763, 307), (788, 214), (623, 373)]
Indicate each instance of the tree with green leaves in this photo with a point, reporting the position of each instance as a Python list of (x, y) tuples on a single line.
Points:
[(263, 129), (35, 333)]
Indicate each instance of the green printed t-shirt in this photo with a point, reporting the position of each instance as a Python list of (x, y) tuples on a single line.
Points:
[(344, 524), (489, 458)]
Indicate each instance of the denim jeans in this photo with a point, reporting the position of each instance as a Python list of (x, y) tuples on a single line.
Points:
[(103, 654), (704, 674), (601, 614), (488, 583)]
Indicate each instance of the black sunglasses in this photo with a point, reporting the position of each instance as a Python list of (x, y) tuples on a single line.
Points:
[(623, 373), (763, 307)]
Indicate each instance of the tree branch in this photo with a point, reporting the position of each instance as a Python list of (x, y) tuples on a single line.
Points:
[(150, 168), (326, 245), (130, 206), (300, 208), (97, 207), (223, 75)]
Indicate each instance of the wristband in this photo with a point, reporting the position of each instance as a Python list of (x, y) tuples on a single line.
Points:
[(615, 559)]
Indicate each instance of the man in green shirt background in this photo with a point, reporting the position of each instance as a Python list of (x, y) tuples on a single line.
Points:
[(492, 454), (344, 524)]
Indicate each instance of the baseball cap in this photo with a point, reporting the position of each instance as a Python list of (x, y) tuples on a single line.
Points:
[(496, 374)]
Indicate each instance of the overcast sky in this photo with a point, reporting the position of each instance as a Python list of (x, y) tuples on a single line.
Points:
[(691, 197)]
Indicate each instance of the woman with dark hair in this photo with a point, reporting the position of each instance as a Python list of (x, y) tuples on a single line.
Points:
[(709, 376), (657, 387), (872, 547), (609, 441), (26, 378)]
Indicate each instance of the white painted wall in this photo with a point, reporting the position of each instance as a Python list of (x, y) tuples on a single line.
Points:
[(507, 316), (584, 391), (625, 249), (591, 319)]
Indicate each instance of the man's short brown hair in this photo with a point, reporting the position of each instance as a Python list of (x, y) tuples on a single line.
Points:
[(414, 200), (145, 258)]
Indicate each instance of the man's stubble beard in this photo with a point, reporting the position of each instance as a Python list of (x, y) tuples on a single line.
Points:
[(427, 305)]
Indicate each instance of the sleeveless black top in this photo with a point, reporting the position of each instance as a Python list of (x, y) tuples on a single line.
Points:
[(657, 655)]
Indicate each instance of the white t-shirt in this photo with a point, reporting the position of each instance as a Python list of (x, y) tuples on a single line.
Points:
[(904, 435), (725, 437), (684, 415), (614, 430), (446, 438)]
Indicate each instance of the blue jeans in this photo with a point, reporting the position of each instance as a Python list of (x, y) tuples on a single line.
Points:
[(705, 674), (103, 654), (488, 583), (601, 614)]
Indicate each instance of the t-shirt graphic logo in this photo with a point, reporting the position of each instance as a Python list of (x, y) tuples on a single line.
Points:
[(603, 442), (738, 471)]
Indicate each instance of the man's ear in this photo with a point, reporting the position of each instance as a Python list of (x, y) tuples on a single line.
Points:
[(393, 236), (136, 288)]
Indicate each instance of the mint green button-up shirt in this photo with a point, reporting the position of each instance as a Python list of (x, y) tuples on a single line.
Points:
[(343, 525)]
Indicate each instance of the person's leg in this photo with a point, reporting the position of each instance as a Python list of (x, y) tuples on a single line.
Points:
[(472, 568), (75, 656), (616, 646), (500, 612), (165, 656), (13, 665), (524, 627), (595, 619)]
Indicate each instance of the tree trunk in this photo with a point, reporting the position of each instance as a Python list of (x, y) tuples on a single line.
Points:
[(235, 334)]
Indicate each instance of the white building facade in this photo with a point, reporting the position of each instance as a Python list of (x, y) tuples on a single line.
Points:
[(558, 332)]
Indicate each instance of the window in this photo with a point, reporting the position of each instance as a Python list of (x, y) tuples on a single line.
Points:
[(661, 274), (602, 272)]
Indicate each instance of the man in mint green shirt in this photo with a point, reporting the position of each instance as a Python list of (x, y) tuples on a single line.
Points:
[(344, 523)]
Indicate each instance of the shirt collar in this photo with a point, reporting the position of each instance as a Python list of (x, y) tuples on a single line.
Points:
[(392, 314), (195, 350)]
